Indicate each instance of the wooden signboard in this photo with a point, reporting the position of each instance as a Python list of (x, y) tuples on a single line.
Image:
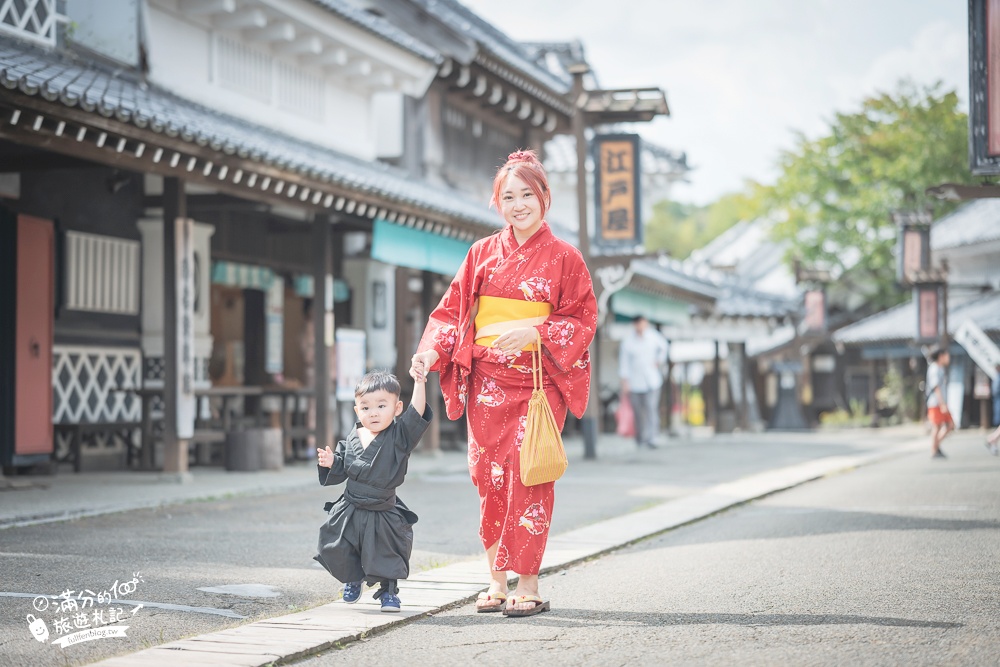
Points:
[(616, 188)]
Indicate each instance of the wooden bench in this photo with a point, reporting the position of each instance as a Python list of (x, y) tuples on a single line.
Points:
[(78, 433)]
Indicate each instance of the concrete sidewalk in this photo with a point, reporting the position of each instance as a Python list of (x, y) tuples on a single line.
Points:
[(286, 638), (35, 499)]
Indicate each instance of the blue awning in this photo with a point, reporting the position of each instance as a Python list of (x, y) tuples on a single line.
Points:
[(417, 249)]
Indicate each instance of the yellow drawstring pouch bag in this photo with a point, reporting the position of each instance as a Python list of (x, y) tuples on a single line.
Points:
[(543, 457)]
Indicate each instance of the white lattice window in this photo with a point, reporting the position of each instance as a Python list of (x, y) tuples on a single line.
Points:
[(455, 118), (244, 69), (102, 274), (85, 381), (299, 91), (30, 19), (256, 73)]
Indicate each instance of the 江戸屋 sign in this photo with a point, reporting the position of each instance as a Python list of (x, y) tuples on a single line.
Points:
[(616, 188)]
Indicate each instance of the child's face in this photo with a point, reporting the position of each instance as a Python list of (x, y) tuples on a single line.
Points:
[(377, 409)]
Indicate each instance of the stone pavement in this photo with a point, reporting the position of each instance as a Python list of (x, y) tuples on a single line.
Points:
[(286, 638)]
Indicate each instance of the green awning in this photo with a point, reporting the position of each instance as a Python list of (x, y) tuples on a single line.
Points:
[(246, 276), (305, 286), (628, 303), (417, 249)]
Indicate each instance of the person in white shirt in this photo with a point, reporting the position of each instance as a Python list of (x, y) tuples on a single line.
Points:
[(642, 355), (937, 405)]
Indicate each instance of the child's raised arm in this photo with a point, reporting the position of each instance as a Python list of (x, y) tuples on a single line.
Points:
[(419, 399)]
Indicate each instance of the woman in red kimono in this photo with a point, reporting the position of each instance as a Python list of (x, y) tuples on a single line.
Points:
[(511, 285)]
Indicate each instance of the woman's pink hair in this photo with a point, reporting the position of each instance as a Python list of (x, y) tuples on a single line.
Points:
[(526, 166)]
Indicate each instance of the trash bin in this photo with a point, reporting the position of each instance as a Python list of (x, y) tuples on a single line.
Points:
[(272, 454), (243, 450)]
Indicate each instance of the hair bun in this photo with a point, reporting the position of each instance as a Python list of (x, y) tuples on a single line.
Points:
[(522, 156)]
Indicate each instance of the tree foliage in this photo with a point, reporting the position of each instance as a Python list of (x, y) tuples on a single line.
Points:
[(678, 228), (835, 194)]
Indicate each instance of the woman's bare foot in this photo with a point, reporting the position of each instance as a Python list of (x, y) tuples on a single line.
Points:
[(527, 585), (496, 596)]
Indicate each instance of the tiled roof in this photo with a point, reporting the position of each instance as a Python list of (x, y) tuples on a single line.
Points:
[(973, 223), (88, 86), (494, 42), (672, 272), (381, 28), (738, 301), (900, 323), (732, 297)]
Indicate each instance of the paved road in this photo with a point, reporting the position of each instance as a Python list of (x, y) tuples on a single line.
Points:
[(892, 564), (268, 541)]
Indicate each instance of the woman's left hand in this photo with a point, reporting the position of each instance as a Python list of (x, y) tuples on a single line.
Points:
[(515, 339)]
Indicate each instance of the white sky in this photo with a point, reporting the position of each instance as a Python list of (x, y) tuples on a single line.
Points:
[(741, 75)]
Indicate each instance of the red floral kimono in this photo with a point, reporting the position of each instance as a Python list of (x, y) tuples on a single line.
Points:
[(493, 389)]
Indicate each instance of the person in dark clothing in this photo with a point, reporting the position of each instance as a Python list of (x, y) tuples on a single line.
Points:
[(369, 535)]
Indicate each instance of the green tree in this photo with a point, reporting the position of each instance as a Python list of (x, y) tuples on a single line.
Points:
[(678, 228), (834, 197)]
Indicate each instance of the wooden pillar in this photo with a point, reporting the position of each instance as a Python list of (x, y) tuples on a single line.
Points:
[(668, 384), (321, 352), (431, 442), (175, 449), (716, 390), (590, 418), (744, 399)]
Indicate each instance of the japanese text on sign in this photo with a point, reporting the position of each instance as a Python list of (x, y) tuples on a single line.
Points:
[(617, 190)]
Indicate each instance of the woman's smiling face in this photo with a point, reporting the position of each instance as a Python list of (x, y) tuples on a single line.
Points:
[(521, 208)]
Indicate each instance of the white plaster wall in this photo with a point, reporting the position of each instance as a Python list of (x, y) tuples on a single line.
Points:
[(180, 57), (975, 265)]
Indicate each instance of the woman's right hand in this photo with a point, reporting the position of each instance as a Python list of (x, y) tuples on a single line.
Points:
[(420, 364)]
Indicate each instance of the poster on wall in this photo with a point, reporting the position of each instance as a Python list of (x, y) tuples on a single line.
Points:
[(185, 272), (274, 322), (351, 361)]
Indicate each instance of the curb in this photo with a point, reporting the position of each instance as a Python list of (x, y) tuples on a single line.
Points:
[(285, 639)]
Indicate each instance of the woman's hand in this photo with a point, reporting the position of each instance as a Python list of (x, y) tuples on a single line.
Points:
[(516, 339), (420, 364)]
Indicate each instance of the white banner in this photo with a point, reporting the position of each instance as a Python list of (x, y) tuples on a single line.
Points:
[(274, 318), (351, 361), (186, 404), (981, 349)]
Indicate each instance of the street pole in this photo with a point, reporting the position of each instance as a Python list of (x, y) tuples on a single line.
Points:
[(589, 422)]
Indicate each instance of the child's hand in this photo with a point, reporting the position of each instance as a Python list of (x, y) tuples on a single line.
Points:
[(324, 457), (420, 363)]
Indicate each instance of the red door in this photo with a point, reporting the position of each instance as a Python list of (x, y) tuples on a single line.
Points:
[(33, 352)]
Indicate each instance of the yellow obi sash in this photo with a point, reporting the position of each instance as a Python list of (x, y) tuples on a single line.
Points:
[(498, 315)]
